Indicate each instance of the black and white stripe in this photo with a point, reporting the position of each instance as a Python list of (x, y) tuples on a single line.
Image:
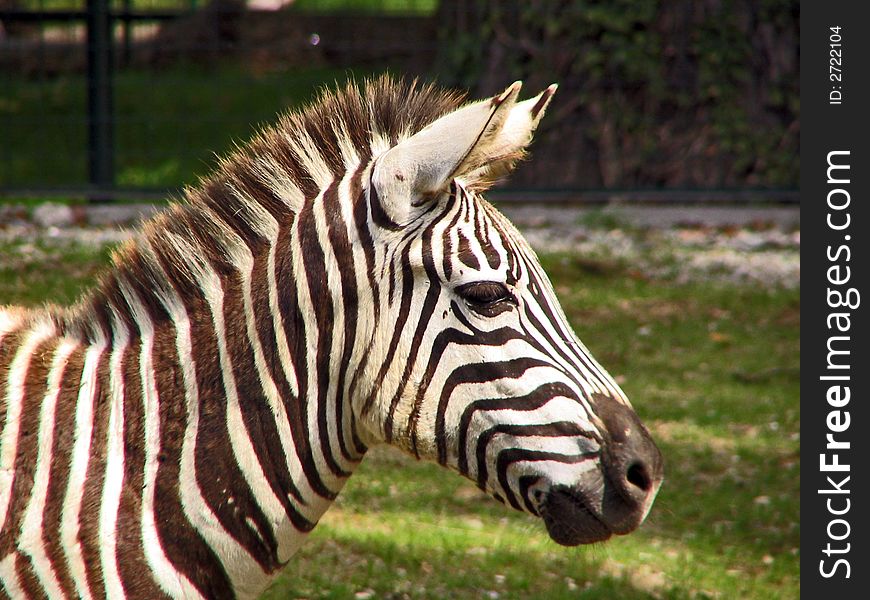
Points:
[(337, 284)]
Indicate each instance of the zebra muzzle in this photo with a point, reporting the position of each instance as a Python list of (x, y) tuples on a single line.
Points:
[(616, 498), (570, 519)]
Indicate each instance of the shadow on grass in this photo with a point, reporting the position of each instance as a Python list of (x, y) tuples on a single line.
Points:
[(376, 565), (720, 523)]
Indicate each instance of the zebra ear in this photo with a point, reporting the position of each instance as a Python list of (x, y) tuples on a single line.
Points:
[(509, 146), (461, 144)]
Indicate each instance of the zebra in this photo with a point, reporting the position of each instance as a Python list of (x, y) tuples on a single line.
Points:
[(338, 283)]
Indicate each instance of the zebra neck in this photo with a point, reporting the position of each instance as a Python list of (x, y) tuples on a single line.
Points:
[(222, 390), (240, 351)]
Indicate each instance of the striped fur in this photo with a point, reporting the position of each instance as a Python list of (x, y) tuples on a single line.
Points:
[(180, 430)]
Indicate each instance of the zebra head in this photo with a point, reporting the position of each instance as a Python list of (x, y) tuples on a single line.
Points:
[(474, 364)]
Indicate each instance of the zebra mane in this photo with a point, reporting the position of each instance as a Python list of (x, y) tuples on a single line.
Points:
[(264, 182)]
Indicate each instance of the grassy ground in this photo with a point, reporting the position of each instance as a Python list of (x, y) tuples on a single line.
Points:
[(32, 272), (712, 370)]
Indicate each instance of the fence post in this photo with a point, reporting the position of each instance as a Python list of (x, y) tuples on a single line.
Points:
[(101, 142), (127, 51)]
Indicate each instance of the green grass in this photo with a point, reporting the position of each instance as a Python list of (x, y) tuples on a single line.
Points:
[(32, 273), (712, 370), (170, 125)]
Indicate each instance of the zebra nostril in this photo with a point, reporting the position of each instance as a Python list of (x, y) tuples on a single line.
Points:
[(631, 460), (638, 476)]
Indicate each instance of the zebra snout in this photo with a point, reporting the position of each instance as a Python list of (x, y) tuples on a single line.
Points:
[(614, 498), (633, 468), (632, 479), (635, 472)]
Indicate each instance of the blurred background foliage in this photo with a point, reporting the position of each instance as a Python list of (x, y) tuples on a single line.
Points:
[(653, 94), (680, 93)]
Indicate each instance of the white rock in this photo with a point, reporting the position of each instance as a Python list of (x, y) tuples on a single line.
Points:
[(53, 215)]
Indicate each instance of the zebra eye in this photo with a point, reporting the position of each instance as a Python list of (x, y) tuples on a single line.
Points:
[(486, 297)]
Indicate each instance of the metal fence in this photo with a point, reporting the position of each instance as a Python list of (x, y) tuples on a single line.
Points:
[(107, 99), (130, 98)]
